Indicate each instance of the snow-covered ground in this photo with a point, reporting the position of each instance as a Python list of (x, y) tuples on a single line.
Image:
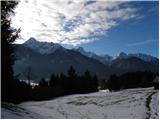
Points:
[(131, 103)]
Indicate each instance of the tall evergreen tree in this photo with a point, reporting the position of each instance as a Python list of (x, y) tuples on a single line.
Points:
[(95, 83), (52, 81), (87, 75), (72, 73), (62, 76), (113, 83), (70, 86), (43, 83), (8, 36)]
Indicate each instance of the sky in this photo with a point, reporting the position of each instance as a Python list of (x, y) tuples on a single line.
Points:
[(103, 27)]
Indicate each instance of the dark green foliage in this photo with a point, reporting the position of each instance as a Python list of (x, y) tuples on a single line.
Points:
[(71, 73), (60, 85), (52, 81), (23, 92), (8, 36), (95, 83), (43, 83), (87, 75), (131, 80), (13, 90), (113, 83)]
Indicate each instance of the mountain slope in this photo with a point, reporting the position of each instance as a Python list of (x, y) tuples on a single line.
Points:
[(134, 64), (43, 65), (107, 60), (42, 47), (47, 58)]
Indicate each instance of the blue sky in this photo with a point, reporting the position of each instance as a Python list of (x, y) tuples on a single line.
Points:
[(103, 27), (132, 36)]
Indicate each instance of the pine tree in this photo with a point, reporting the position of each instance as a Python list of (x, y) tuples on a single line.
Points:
[(71, 81), (87, 75), (113, 83), (71, 73), (43, 83), (95, 83), (63, 80), (52, 81), (8, 36)]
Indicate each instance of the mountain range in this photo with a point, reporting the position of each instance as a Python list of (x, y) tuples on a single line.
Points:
[(44, 58), (106, 59)]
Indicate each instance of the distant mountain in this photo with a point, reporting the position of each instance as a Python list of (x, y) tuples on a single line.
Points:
[(147, 58), (108, 60), (134, 64), (105, 59), (42, 47), (46, 58), (121, 55), (44, 62)]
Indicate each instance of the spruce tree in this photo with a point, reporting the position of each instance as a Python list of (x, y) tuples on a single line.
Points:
[(87, 75), (52, 81), (8, 36), (71, 72), (43, 83)]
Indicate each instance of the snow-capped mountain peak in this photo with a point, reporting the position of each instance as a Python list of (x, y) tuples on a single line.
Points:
[(42, 47), (106, 59), (48, 48), (121, 55), (145, 57), (31, 42), (80, 49)]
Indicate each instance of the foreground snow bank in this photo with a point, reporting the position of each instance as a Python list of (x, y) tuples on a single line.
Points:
[(11, 111), (154, 109), (129, 103)]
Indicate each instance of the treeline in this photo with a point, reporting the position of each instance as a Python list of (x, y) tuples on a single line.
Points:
[(60, 85), (57, 85), (130, 80)]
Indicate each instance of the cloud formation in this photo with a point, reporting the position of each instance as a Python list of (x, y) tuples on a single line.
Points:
[(72, 22), (141, 43)]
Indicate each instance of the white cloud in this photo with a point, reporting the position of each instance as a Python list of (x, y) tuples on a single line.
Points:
[(71, 22), (141, 43)]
